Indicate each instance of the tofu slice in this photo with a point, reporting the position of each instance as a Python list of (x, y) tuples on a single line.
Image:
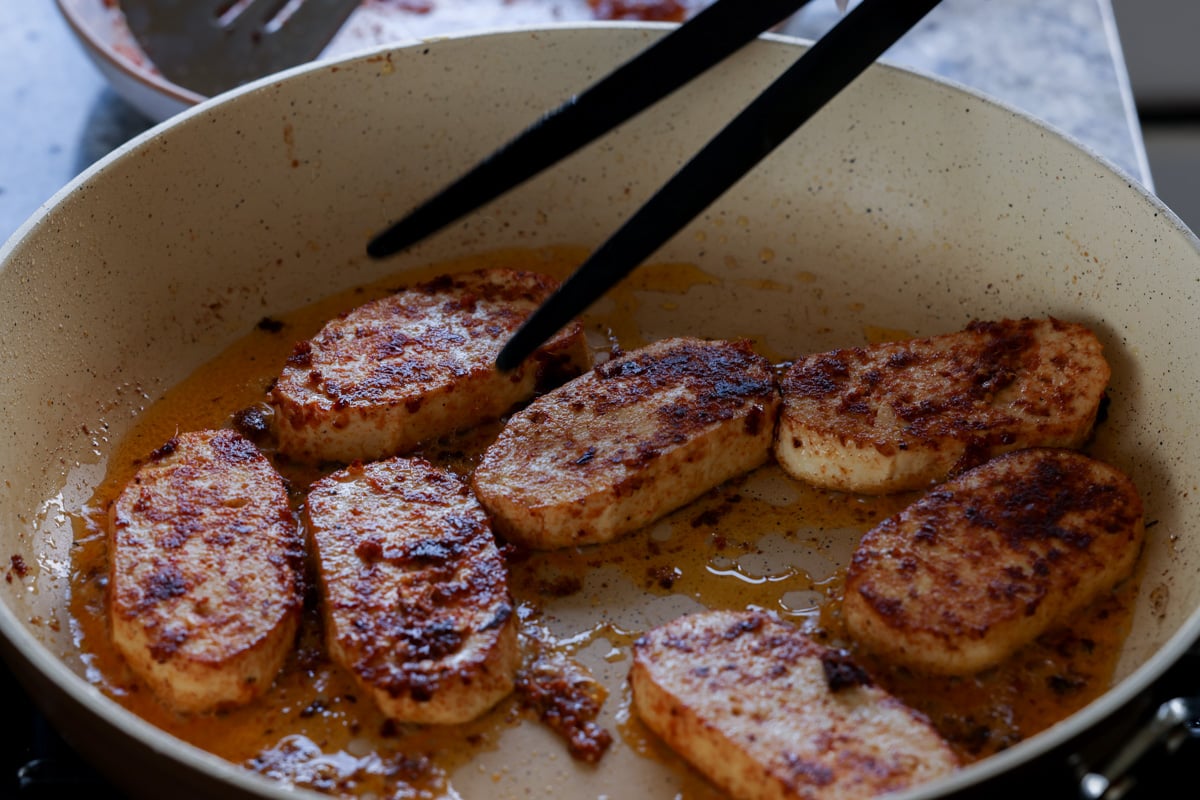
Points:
[(764, 712), (633, 439), (900, 416), (987, 562), (417, 365), (415, 591), (206, 563)]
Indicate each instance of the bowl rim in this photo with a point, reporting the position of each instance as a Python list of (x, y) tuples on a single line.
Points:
[(154, 81), (149, 79)]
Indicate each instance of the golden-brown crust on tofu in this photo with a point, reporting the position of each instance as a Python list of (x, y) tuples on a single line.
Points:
[(206, 566), (633, 439), (988, 561), (899, 416), (414, 590), (417, 365), (767, 714)]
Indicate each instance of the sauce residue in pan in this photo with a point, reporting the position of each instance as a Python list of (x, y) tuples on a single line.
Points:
[(734, 548)]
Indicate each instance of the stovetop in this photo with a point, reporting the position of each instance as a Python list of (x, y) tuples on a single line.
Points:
[(37, 763)]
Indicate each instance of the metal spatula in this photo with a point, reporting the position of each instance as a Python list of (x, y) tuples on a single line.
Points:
[(210, 46)]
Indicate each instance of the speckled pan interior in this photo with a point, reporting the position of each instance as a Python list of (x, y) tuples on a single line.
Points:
[(907, 204)]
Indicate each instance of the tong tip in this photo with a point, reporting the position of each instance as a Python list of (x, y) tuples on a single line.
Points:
[(390, 241), (513, 353)]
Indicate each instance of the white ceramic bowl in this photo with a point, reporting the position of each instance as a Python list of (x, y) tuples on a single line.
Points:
[(907, 204), (100, 27)]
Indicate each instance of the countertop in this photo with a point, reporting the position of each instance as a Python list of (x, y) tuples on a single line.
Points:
[(1060, 62)]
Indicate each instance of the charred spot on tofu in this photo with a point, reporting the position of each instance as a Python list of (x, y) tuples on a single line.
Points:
[(988, 561), (419, 364), (902, 415), (635, 438), (205, 572), (756, 706), (414, 590)]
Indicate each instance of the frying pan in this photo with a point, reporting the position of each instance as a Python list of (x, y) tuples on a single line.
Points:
[(908, 204)]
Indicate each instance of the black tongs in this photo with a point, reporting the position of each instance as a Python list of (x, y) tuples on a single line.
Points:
[(835, 60)]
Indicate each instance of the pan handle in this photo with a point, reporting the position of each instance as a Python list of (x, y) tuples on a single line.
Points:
[(1175, 721)]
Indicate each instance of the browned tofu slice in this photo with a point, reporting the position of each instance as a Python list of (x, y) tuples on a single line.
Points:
[(900, 416), (636, 437), (415, 591), (766, 713), (988, 561), (417, 365), (205, 569)]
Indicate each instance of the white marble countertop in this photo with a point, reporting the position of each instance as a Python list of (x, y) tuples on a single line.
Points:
[(1060, 61)]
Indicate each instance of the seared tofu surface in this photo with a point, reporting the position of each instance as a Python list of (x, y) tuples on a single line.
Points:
[(900, 416), (764, 712), (633, 439), (414, 590), (988, 561), (205, 572), (416, 365)]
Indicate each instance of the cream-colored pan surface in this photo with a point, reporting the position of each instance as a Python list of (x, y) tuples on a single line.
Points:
[(907, 204)]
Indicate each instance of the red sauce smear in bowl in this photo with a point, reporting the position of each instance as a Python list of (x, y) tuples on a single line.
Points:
[(655, 10)]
